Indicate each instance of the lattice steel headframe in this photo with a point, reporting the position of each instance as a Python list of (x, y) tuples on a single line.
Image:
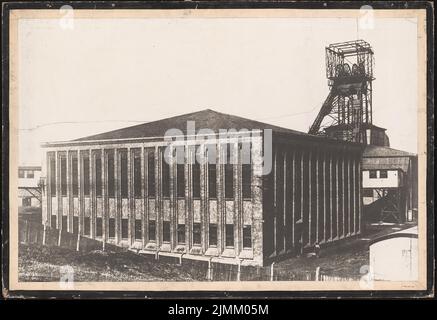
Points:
[(347, 111)]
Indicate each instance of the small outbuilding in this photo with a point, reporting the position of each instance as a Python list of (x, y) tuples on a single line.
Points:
[(394, 257)]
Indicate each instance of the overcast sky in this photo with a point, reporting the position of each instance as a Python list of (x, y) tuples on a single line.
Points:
[(106, 74)]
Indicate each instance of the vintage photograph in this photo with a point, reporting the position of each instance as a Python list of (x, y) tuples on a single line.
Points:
[(218, 149)]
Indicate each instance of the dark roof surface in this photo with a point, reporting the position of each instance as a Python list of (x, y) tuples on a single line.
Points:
[(377, 151), (205, 119)]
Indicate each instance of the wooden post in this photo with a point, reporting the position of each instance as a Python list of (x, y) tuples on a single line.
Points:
[(272, 271)]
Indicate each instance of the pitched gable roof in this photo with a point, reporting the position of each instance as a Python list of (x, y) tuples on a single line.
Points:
[(376, 151), (205, 119)]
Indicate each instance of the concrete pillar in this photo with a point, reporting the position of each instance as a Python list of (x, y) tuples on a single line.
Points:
[(130, 195), (58, 191), (337, 196), (293, 197), (286, 231), (350, 195), (360, 197), (354, 194), (105, 199), (173, 199), (302, 174), (117, 196), (189, 205), (93, 159), (80, 192), (324, 197), (343, 193), (49, 156), (310, 190), (69, 192), (331, 213), (238, 201), (158, 196), (144, 200), (203, 198), (317, 186), (220, 198)]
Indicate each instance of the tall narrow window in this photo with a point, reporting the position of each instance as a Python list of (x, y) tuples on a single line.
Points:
[(138, 229), (151, 173), (86, 226), (64, 222), (180, 181), (383, 174), (152, 230), (53, 221), (124, 175), (75, 225), (229, 173), (181, 233), (63, 176), (165, 178), (213, 234), (166, 231), (180, 171), (124, 228), (197, 238), (372, 174), (247, 236), (52, 164), (246, 163), (98, 176), (229, 235), (196, 177), (111, 175), (212, 181), (137, 175), (111, 228), (86, 176), (99, 227)]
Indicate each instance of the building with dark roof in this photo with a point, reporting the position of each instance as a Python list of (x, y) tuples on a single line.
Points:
[(214, 186), (390, 183)]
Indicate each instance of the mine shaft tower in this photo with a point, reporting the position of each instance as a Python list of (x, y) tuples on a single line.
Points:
[(346, 113)]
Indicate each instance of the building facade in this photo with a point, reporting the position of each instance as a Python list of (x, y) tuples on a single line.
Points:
[(245, 197), (390, 184), (29, 191)]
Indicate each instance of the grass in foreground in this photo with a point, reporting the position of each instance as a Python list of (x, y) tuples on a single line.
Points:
[(41, 263)]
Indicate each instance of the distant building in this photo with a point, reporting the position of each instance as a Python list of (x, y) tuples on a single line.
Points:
[(118, 187), (29, 191), (390, 181)]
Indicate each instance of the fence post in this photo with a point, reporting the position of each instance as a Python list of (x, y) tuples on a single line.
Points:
[(271, 270), (44, 234), (209, 272), (59, 237), (317, 273), (239, 270), (78, 242)]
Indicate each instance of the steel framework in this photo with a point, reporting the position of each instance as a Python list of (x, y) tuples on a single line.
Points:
[(348, 108)]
